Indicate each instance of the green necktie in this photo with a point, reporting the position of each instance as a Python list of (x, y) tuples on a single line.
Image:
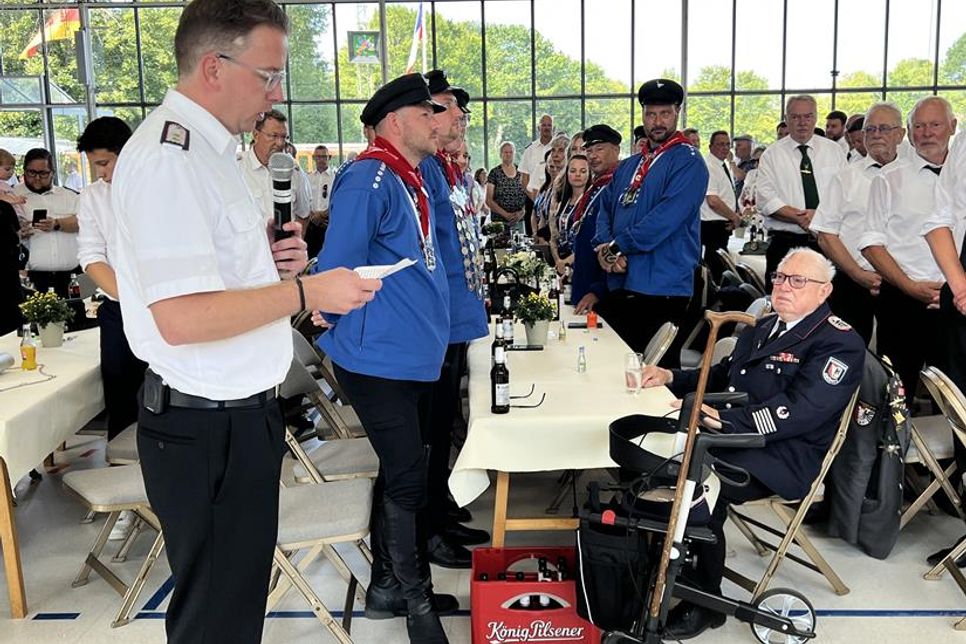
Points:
[(808, 180)]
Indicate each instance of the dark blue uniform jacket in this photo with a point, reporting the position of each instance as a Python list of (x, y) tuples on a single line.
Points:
[(798, 387)]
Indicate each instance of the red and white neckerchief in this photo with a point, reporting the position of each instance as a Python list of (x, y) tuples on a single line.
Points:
[(383, 150), (648, 158), (450, 169), (589, 195)]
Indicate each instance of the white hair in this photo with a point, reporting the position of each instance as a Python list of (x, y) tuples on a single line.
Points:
[(506, 143), (885, 106), (821, 262), (950, 117), (807, 98)]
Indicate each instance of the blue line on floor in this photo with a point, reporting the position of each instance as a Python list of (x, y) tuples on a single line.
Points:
[(159, 595), (55, 616), (871, 612), (291, 614)]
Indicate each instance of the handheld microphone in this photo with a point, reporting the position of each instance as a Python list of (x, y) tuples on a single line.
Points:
[(281, 166)]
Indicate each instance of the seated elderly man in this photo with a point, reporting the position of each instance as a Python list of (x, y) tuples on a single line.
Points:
[(799, 369)]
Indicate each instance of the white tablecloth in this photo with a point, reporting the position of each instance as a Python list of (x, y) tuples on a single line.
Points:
[(36, 418), (569, 431), (755, 262)]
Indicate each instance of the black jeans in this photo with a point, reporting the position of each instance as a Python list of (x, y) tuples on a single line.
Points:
[(714, 235), (58, 280), (396, 417), (853, 303), (909, 334), (637, 317), (710, 557), (446, 401), (121, 371), (212, 478)]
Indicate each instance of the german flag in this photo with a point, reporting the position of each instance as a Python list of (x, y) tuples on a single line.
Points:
[(61, 25)]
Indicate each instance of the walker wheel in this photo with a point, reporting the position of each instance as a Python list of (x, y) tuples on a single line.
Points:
[(791, 605)]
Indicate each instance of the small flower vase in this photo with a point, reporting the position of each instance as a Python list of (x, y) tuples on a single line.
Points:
[(52, 335), (537, 332)]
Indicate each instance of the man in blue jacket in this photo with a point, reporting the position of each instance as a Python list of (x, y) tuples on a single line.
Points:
[(799, 368), (458, 246), (648, 231), (388, 359)]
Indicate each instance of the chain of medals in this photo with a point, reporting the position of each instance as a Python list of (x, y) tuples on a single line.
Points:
[(425, 237), (629, 196), (469, 240)]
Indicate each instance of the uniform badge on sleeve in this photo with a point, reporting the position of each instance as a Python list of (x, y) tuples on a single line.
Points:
[(175, 134), (864, 413), (839, 323), (834, 370)]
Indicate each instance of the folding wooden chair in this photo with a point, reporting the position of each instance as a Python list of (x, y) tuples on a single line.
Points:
[(748, 274), (931, 440), (659, 343), (114, 490), (347, 458), (792, 520), (312, 518), (953, 405), (315, 363)]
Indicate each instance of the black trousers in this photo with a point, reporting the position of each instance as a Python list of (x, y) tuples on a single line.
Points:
[(782, 242), (637, 317), (909, 334), (953, 330), (58, 280), (853, 303), (446, 401), (396, 416), (121, 371), (314, 237), (710, 557), (714, 235), (212, 478)]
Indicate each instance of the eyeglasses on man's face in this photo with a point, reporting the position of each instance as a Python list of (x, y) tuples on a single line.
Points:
[(881, 129), (272, 78), (38, 174), (795, 281)]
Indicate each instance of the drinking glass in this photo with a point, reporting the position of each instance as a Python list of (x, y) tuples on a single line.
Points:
[(633, 365)]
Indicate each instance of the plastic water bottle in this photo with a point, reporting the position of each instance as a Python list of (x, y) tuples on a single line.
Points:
[(582, 361)]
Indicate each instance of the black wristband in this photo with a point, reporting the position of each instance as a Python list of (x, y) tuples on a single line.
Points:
[(298, 282)]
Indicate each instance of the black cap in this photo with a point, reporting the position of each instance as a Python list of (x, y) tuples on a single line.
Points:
[(660, 91), (857, 124), (410, 89), (639, 133), (601, 134), (744, 137), (462, 99)]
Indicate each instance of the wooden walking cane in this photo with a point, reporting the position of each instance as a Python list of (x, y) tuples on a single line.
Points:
[(685, 488)]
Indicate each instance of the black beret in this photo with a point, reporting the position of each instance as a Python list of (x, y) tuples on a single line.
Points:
[(601, 134), (410, 89), (660, 91), (436, 79)]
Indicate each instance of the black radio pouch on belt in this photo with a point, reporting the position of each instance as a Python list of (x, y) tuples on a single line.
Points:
[(154, 393)]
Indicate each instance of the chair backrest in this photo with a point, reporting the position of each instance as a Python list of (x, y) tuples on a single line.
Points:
[(748, 274), (660, 343), (304, 352), (729, 262), (730, 278), (949, 397), (759, 308), (751, 290), (833, 450), (722, 349), (87, 285)]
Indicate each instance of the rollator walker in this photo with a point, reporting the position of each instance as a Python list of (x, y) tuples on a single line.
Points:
[(672, 468)]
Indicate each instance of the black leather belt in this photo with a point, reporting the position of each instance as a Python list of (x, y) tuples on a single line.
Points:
[(178, 399)]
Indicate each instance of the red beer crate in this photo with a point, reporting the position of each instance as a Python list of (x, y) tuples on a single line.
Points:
[(520, 608)]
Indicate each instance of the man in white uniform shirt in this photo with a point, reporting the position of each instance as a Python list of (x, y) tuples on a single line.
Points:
[(841, 220), (533, 160), (792, 175), (320, 182), (835, 129), (51, 213), (270, 136), (900, 202), (856, 136), (198, 280), (719, 214), (944, 233)]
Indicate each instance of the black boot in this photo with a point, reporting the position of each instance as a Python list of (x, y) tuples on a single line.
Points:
[(401, 539), (384, 597)]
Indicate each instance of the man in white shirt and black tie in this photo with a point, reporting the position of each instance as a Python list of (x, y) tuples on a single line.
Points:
[(320, 182), (719, 214), (856, 136), (900, 202), (841, 220), (792, 175)]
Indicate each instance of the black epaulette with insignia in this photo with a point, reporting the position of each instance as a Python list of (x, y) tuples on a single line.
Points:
[(175, 134), (839, 323)]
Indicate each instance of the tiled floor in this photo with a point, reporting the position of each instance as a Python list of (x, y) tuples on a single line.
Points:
[(889, 601)]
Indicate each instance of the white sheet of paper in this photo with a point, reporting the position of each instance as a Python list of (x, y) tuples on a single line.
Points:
[(383, 271)]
